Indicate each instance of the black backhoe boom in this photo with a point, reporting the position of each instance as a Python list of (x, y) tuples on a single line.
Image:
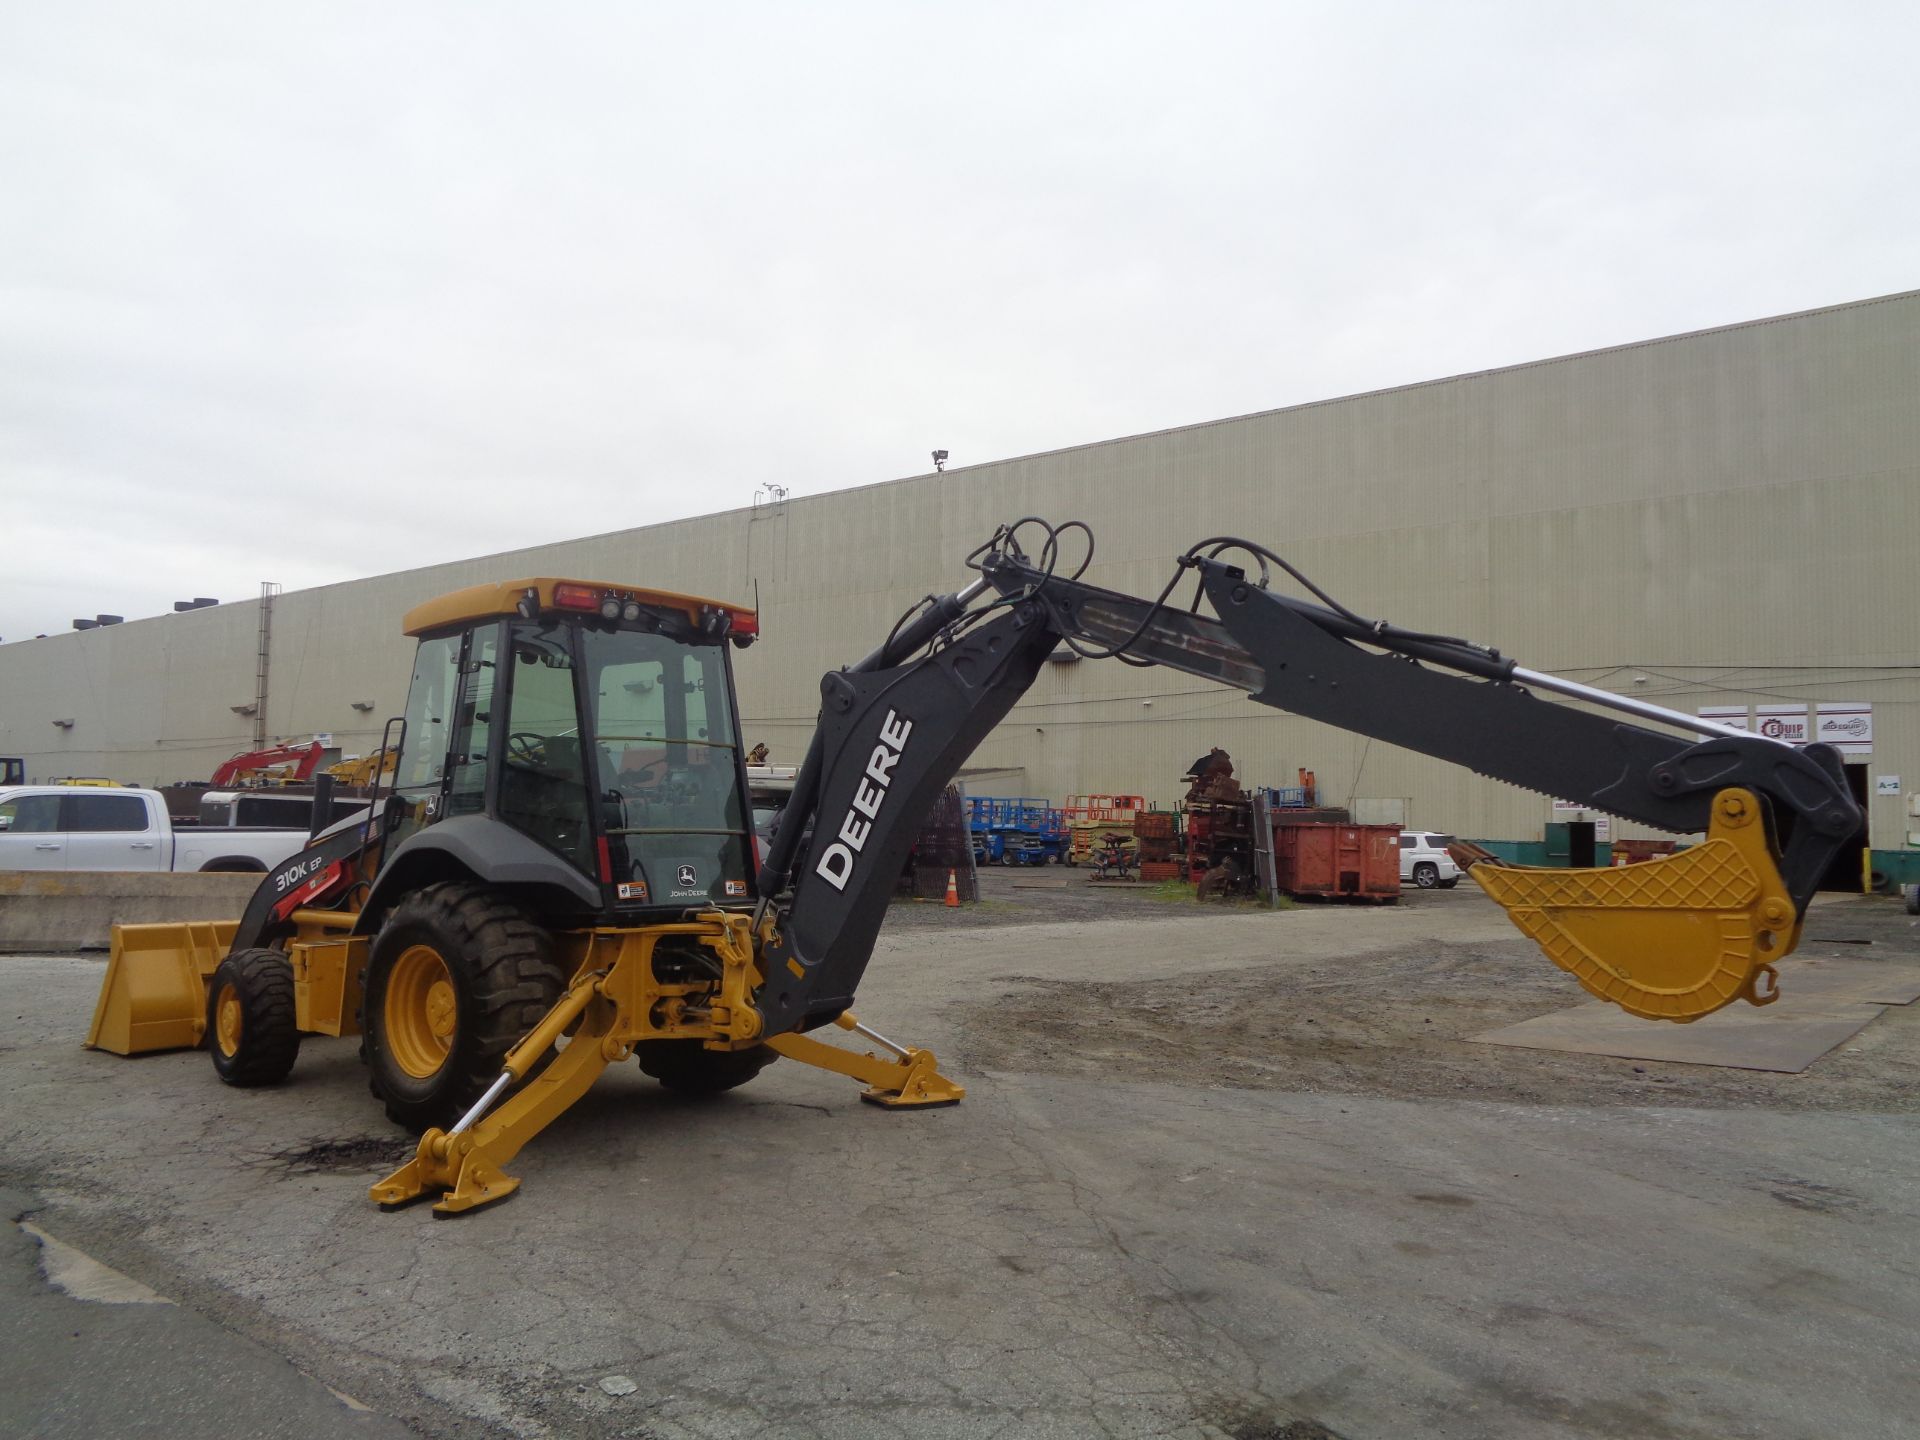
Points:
[(895, 728)]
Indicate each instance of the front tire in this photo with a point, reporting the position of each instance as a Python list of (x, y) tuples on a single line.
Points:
[(1426, 875), (252, 1032), (457, 976)]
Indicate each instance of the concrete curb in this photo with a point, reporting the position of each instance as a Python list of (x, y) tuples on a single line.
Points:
[(61, 910)]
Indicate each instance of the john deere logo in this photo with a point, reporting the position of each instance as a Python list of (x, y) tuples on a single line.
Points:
[(686, 877)]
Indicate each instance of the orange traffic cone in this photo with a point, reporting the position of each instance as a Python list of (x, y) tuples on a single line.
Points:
[(953, 890)]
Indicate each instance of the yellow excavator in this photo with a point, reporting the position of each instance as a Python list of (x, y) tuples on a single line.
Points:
[(362, 770), (558, 869)]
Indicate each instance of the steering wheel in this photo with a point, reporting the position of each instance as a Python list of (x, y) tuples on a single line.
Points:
[(526, 746)]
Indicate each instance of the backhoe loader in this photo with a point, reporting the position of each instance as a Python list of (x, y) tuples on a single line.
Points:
[(559, 869)]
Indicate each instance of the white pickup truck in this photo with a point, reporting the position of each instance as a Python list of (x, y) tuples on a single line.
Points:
[(55, 827)]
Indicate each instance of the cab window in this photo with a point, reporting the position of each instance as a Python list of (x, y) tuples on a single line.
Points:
[(279, 811), (675, 821), (543, 778), (436, 670), (473, 730), (30, 815), (107, 815), (423, 749)]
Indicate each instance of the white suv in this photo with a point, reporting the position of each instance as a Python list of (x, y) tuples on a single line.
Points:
[(1425, 862)]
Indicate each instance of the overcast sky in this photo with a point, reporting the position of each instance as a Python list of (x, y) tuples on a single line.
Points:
[(306, 293)]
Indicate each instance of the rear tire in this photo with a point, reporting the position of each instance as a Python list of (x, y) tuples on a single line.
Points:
[(457, 976), (687, 1067), (1426, 875), (1912, 893), (252, 1032)]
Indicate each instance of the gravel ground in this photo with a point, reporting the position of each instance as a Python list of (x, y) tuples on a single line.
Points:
[(1396, 1022), (1060, 894), (1391, 1022)]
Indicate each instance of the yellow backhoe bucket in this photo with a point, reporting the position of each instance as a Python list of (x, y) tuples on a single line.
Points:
[(155, 993), (1668, 939)]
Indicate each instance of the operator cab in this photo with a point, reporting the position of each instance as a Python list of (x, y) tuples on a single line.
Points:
[(596, 720)]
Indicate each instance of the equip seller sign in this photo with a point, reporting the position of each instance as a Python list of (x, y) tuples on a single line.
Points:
[(1782, 722)]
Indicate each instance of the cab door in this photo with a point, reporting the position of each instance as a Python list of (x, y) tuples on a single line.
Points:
[(105, 831), (30, 834), (420, 776)]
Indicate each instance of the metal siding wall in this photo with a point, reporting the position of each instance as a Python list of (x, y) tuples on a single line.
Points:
[(1742, 496)]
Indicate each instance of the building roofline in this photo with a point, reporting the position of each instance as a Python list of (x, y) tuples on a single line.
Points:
[(1403, 388), (1091, 445)]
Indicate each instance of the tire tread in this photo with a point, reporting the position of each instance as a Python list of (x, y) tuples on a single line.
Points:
[(515, 981), (270, 1032)]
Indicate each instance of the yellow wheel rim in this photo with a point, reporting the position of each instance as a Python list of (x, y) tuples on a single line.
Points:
[(227, 1020), (421, 1012)]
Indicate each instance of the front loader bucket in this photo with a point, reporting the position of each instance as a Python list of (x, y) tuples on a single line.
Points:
[(1668, 939), (155, 993)]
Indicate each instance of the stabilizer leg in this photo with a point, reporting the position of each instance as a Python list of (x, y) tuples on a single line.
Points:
[(911, 1078), (467, 1162)]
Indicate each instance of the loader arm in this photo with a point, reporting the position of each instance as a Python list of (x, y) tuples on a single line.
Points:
[(1672, 939)]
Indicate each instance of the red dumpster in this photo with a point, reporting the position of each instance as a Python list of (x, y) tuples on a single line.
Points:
[(1633, 852), (1339, 862)]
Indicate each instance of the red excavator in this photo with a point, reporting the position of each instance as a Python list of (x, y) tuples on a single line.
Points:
[(275, 765)]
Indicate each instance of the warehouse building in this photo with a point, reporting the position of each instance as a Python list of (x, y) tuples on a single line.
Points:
[(1722, 521)]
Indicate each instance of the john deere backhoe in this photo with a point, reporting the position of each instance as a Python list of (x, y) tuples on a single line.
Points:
[(559, 873)]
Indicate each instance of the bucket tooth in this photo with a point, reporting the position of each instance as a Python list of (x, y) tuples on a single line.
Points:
[(1668, 939)]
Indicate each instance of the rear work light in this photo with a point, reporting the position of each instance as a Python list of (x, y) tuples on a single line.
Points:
[(576, 597)]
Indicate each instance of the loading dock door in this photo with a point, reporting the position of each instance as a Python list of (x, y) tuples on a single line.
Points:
[(1850, 866), (1580, 844)]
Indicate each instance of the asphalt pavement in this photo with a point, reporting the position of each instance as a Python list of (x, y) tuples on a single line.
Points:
[(1060, 1255), (87, 1352)]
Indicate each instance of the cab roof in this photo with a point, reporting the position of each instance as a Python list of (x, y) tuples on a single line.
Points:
[(502, 598)]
